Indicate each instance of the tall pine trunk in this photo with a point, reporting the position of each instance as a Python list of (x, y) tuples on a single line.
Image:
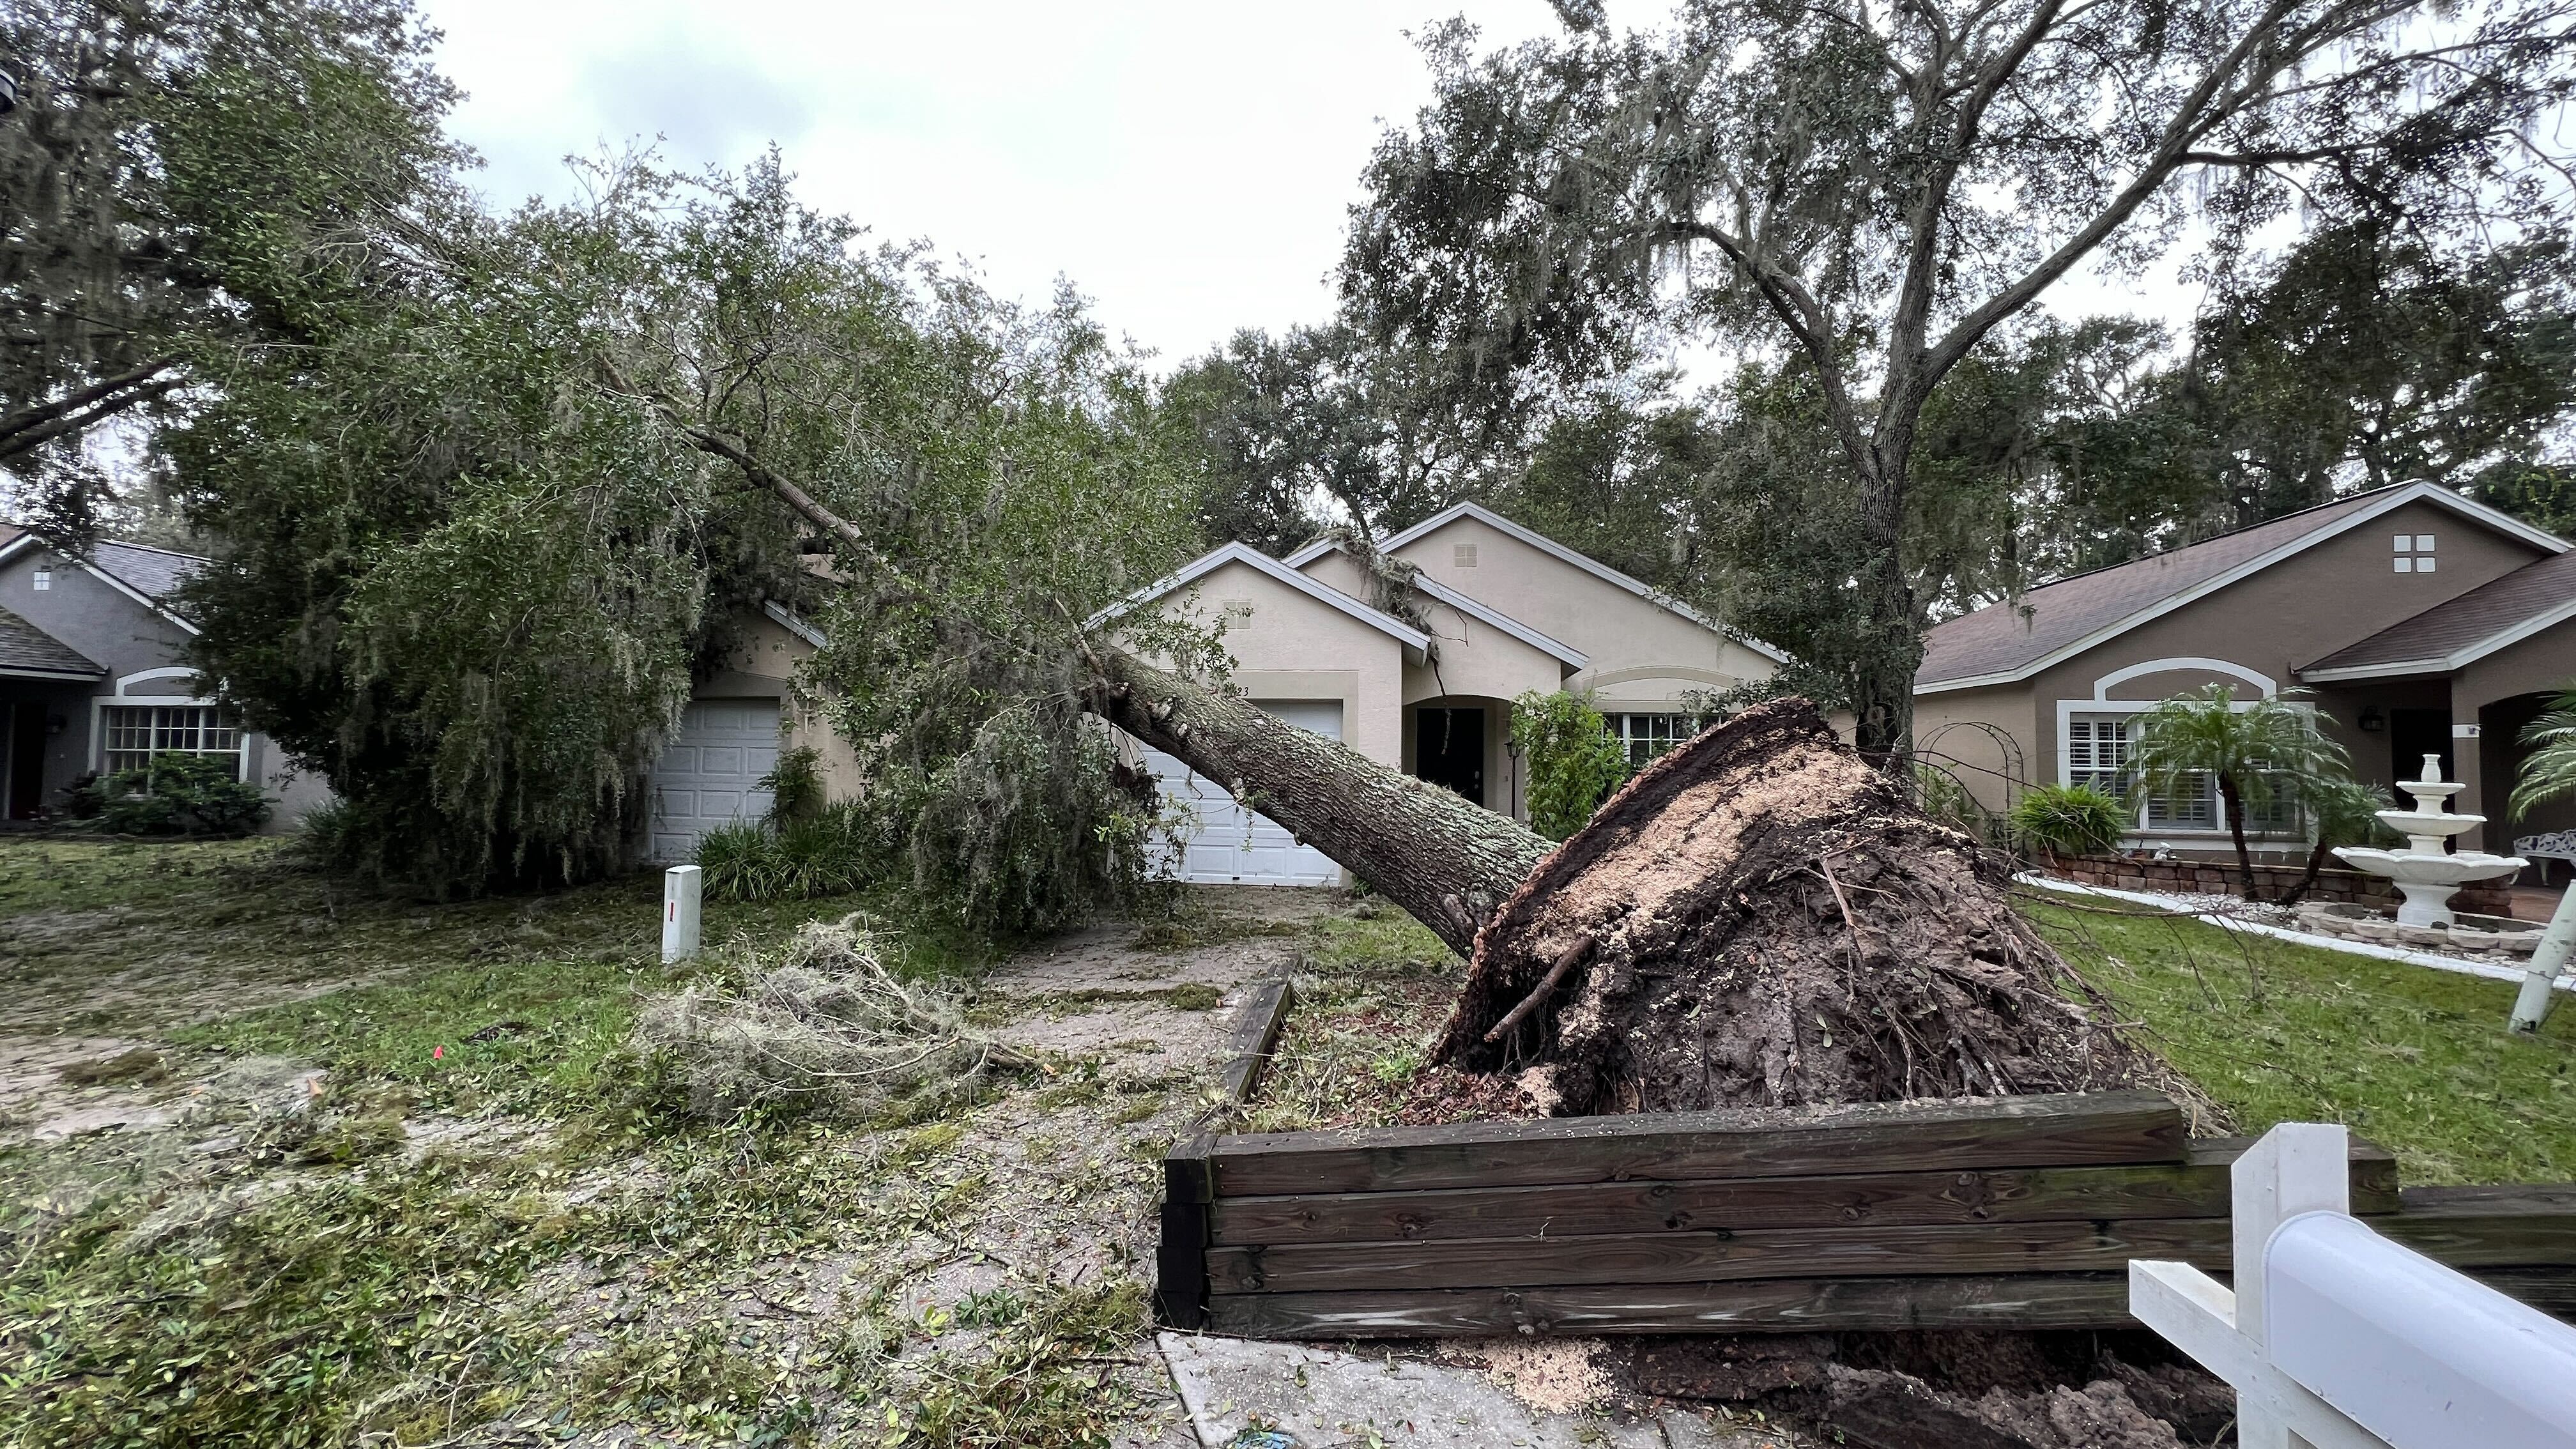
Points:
[(1427, 849)]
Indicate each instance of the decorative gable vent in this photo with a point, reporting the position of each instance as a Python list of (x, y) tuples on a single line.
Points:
[(2414, 553), (1238, 608), (44, 580), (1463, 555)]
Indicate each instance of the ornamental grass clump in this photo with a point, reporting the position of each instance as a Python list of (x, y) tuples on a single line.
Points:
[(827, 1028)]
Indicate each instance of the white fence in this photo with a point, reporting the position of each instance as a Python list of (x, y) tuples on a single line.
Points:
[(2337, 1338)]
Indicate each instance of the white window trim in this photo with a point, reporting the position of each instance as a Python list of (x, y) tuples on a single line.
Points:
[(99, 705), (2067, 709)]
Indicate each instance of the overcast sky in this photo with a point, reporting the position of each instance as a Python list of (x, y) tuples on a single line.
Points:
[(1187, 166)]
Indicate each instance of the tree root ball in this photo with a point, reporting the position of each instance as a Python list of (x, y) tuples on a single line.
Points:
[(1760, 918)]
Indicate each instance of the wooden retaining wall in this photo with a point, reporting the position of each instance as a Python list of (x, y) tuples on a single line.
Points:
[(2019, 1213)]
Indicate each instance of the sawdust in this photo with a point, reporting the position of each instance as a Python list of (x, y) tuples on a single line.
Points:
[(1552, 1376)]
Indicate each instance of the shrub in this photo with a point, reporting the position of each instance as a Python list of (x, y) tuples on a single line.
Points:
[(795, 785), (826, 854), (2069, 819), (1945, 799), (1574, 762), (174, 794)]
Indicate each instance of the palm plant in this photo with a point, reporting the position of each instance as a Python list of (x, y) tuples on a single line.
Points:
[(2340, 812), (2549, 771), (2257, 753)]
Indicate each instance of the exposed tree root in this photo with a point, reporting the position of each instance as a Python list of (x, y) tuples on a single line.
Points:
[(1760, 918)]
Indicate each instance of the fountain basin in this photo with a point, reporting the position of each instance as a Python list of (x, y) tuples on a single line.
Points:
[(2426, 880)]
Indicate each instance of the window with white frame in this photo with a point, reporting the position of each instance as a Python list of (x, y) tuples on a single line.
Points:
[(1645, 736), (2097, 753), (2414, 553), (137, 732), (42, 581), (2099, 749)]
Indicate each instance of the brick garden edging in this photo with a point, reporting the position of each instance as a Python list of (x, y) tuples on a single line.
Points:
[(2349, 887)]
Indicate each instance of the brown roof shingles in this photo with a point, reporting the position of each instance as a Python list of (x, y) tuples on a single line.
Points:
[(24, 648), (2480, 614), (2006, 637)]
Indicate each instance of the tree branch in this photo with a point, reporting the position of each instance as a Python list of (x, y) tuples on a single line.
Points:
[(30, 427)]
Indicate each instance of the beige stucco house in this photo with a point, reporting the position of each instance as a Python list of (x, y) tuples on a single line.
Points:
[(2418, 621), (1504, 611)]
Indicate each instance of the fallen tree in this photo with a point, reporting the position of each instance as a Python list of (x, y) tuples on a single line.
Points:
[(1759, 917)]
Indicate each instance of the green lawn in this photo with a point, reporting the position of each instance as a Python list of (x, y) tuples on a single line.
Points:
[(561, 1254), (2415, 1059)]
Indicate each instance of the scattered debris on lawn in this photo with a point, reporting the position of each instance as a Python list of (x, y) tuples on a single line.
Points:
[(827, 1027)]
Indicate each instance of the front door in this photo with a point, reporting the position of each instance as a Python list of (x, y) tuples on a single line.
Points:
[(25, 787), (1449, 749), (2415, 733)]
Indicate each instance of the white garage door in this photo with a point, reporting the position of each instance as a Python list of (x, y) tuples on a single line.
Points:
[(1234, 846), (708, 777)]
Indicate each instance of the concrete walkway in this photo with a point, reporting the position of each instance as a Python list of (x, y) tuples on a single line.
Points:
[(1242, 1394)]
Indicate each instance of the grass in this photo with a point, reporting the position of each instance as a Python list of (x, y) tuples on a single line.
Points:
[(1372, 992), (300, 1272), (2415, 1059)]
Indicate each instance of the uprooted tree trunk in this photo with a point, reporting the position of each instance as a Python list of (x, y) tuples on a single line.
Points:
[(1427, 849), (1758, 918)]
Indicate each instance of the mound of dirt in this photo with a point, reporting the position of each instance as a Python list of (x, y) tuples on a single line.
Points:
[(1761, 919)]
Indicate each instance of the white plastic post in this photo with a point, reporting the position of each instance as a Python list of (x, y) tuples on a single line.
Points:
[(2298, 1167), (2557, 944), (679, 913)]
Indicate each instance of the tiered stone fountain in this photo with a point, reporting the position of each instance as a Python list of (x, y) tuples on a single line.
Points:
[(2426, 873)]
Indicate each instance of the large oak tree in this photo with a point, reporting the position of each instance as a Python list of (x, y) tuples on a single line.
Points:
[(1876, 189)]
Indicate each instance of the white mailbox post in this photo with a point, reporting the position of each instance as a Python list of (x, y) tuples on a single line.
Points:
[(679, 913), (2338, 1338)]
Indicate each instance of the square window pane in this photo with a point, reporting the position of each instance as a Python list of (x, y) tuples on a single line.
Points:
[(2423, 543), (2404, 565), (2424, 565), (2405, 542)]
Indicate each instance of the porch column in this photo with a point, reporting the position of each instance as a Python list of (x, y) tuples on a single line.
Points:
[(2467, 764)]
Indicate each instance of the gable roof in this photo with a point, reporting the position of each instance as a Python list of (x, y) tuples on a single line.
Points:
[(1209, 562), (2013, 640), (2449, 635), (1565, 654), (147, 575), (27, 652), (1480, 513)]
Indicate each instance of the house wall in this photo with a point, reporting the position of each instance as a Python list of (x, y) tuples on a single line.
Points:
[(2500, 694), (1645, 658), (1964, 726), (2336, 592), (127, 639), (1289, 646), (762, 665)]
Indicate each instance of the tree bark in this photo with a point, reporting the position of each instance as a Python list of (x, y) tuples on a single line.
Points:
[(2233, 802), (1427, 849)]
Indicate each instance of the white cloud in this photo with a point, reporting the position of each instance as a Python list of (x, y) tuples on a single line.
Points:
[(1187, 165)]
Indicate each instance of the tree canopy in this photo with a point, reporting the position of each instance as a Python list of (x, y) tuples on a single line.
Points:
[(171, 179), (1877, 192)]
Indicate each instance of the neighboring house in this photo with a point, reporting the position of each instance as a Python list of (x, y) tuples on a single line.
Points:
[(2422, 623), (1504, 611), (731, 733), (92, 677)]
